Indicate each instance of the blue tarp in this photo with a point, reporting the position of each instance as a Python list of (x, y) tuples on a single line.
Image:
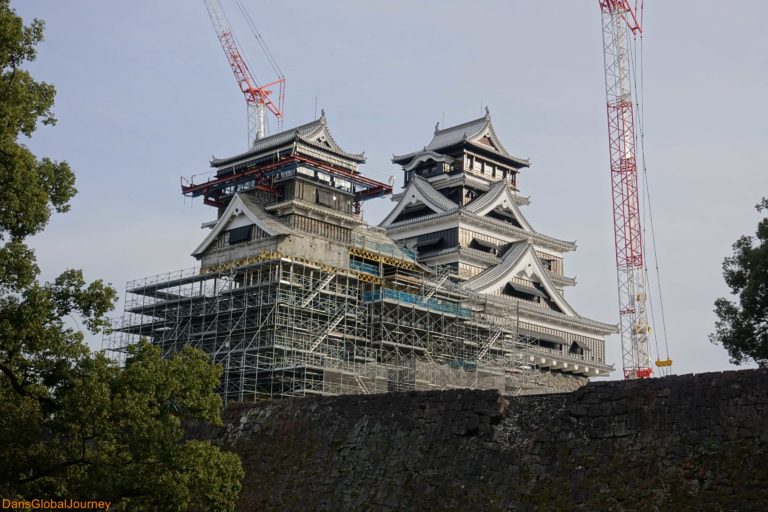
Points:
[(410, 298)]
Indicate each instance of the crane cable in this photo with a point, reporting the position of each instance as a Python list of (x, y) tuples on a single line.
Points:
[(640, 102), (260, 39), (267, 52)]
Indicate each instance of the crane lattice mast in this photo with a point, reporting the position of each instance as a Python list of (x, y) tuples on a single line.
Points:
[(620, 22), (257, 97)]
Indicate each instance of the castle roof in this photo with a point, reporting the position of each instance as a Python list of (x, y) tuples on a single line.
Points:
[(499, 196), (420, 191), (241, 204), (519, 258), (315, 134), (478, 132)]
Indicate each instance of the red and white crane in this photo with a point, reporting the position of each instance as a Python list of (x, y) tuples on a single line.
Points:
[(621, 23), (257, 97)]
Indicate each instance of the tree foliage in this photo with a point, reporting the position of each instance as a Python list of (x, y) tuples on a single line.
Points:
[(742, 327), (73, 424)]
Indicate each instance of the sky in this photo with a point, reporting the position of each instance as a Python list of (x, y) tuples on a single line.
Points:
[(145, 96)]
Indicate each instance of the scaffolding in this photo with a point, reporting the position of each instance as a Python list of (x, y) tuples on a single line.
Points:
[(284, 326)]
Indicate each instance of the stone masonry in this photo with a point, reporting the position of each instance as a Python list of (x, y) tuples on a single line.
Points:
[(691, 442)]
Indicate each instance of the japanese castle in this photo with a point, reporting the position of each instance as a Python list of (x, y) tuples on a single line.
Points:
[(296, 295)]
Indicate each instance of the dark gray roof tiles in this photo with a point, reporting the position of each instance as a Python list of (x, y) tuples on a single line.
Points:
[(496, 192), (491, 274), (511, 258), (470, 132), (255, 213), (269, 221), (434, 196), (314, 133)]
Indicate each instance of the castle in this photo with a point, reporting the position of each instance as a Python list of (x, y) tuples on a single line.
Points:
[(296, 295)]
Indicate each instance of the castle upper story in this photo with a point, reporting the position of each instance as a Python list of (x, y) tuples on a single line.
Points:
[(296, 192)]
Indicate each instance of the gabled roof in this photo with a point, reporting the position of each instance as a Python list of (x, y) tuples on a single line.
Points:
[(243, 205), (421, 191), (520, 257), (314, 133), (478, 131), (499, 196)]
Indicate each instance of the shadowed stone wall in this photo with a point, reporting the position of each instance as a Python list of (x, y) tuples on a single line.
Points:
[(692, 442)]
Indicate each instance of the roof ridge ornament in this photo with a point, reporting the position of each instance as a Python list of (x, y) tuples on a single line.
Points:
[(437, 126), (487, 112)]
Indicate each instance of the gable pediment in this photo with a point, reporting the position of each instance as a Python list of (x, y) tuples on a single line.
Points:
[(413, 211), (520, 275), (505, 215), (419, 195), (486, 140), (241, 212), (499, 203)]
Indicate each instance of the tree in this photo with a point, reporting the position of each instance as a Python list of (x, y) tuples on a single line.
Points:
[(73, 424), (742, 328)]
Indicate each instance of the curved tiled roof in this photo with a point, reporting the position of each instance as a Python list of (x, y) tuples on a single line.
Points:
[(310, 133), (497, 192), (491, 274), (560, 318), (427, 194), (242, 204), (509, 262), (435, 197), (544, 240), (470, 132)]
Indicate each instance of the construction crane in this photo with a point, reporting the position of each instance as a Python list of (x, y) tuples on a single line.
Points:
[(621, 24), (257, 97)]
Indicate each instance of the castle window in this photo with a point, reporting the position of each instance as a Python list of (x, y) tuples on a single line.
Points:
[(578, 347), (525, 292), (429, 245), (482, 245), (504, 216), (545, 340), (325, 197), (239, 235)]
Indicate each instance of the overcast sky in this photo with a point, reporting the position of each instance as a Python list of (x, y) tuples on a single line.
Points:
[(145, 96)]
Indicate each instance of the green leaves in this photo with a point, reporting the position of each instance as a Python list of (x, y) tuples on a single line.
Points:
[(70, 294), (31, 188), (73, 423), (742, 326), (118, 434), (17, 42), (17, 266)]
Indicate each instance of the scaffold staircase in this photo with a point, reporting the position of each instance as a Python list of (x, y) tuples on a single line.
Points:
[(320, 286), (327, 330)]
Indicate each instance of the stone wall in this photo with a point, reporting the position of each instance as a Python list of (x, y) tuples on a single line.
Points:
[(692, 442)]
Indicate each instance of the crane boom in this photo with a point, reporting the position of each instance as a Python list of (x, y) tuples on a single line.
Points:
[(257, 97), (619, 22)]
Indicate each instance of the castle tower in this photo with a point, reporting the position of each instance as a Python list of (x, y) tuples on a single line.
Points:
[(295, 192), (461, 208)]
